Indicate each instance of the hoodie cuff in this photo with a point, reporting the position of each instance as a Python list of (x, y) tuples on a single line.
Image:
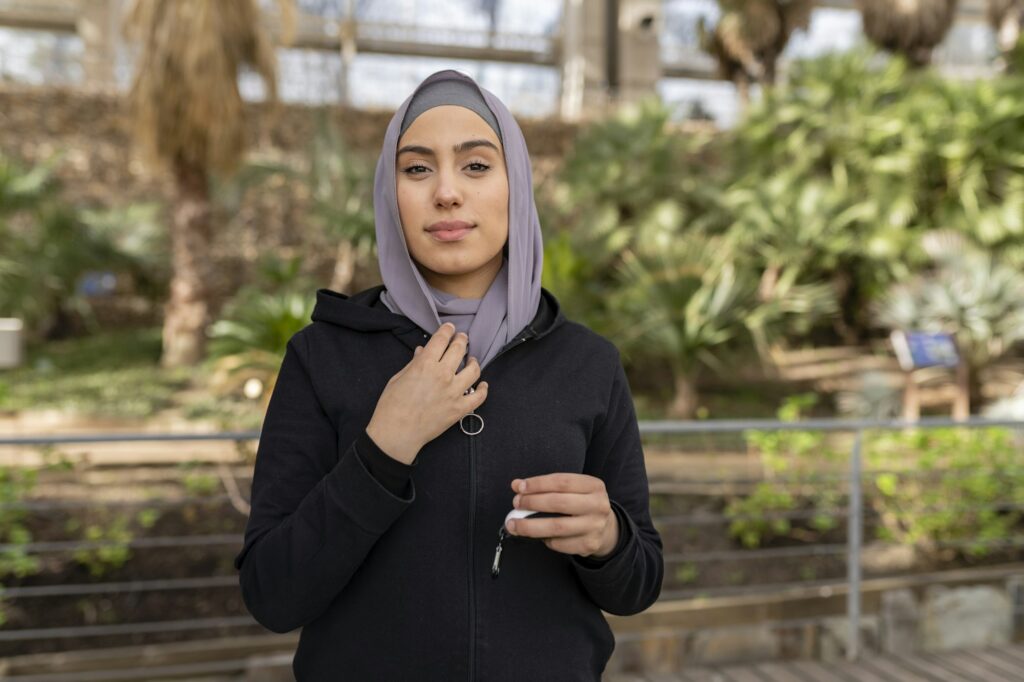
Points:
[(625, 532), (387, 470)]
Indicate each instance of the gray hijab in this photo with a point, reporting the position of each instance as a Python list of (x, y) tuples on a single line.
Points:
[(512, 299)]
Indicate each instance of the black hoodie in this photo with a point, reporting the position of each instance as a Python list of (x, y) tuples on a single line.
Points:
[(399, 587)]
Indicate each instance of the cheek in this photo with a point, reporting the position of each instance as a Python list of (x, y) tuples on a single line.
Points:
[(408, 208), (405, 200), (496, 200)]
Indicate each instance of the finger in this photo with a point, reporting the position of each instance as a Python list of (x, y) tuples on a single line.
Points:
[(439, 341), (563, 526), (455, 352), (471, 401), (561, 482), (563, 503), (468, 375)]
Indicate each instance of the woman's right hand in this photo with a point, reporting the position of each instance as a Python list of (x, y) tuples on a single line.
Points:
[(427, 396)]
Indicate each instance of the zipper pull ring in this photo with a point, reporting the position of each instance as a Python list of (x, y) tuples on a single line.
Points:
[(502, 534), (469, 428)]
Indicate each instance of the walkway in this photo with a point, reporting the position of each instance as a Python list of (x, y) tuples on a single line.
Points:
[(995, 664)]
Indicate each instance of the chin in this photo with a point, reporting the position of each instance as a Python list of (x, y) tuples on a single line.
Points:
[(453, 269)]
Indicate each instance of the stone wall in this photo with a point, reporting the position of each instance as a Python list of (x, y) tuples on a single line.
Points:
[(923, 618)]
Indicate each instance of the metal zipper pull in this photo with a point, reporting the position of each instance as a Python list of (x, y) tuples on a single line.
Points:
[(462, 422), (502, 534)]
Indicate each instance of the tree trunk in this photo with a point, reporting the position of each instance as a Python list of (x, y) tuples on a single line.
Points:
[(187, 312), (743, 93), (684, 403), (344, 267)]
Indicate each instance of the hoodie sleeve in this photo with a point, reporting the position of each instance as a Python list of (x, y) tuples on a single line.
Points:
[(629, 580), (316, 512)]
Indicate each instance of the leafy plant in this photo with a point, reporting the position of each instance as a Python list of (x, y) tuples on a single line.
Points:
[(628, 180), (249, 340), (197, 482), (947, 491), (833, 178), (341, 188), (47, 249), (114, 536), (797, 467), (968, 293), (15, 485), (751, 521), (941, 491)]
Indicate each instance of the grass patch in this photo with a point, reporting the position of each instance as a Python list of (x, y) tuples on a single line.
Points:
[(115, 374), (107, 374)]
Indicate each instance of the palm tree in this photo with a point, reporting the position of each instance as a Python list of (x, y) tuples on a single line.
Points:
[(187, 116), (750, 36), (685, 300), (1006, 18), (683, 304), (911, 28)]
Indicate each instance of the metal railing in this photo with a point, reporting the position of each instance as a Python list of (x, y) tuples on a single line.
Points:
[(849, 481)]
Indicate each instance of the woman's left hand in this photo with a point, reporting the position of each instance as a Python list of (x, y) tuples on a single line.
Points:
[(590, 528)]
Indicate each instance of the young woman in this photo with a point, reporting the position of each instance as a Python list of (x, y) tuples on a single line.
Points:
[(410, 419)]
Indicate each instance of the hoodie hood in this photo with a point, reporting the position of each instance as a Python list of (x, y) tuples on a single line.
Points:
[(365, 312)]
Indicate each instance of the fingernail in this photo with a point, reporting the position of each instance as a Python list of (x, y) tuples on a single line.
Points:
[(515, 501), (511, 526), (522, 486)]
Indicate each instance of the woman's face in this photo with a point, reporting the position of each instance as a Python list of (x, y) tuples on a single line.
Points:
[(450, 167)]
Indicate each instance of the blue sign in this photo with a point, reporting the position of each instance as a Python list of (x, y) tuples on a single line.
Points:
[(95, 283), (915, 350)]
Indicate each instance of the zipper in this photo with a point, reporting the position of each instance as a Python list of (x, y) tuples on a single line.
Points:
[(519, 340), (472, 563), (528, 334), (496, 564)]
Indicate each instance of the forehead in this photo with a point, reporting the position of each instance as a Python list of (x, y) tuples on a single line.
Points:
[(448, 122)]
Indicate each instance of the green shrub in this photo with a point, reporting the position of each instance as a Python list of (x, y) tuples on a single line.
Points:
[(114, 532), (947, 488), (942, 491), (808, 462), (15, 486)]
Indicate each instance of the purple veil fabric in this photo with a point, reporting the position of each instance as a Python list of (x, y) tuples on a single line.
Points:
[(511, 302)]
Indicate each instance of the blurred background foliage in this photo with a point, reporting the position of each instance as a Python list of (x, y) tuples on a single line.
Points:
[(807, 224)]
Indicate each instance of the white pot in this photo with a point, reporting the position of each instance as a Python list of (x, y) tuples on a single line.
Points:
[(10, 342)]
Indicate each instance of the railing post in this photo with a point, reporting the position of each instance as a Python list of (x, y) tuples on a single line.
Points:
[(853, 540)]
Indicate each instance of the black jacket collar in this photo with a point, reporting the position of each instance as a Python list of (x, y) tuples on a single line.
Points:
[(365, 311)]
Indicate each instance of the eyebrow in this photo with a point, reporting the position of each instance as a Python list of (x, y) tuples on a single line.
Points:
[(458, 149)]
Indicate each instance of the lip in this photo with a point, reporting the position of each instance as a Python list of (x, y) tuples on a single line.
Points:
[(449, 230)]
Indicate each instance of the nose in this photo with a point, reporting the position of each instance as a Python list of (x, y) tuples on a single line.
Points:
[(446, 193)]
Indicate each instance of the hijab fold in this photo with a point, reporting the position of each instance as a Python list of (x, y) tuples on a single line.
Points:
[(512, 299)]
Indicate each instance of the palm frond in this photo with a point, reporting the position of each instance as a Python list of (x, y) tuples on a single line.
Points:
[(185, 100)]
